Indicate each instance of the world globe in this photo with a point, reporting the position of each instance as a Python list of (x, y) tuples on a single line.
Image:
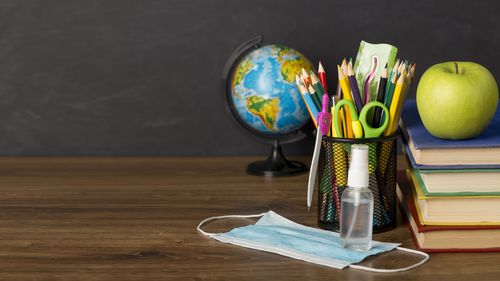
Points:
[(264, 93), (261, 95)]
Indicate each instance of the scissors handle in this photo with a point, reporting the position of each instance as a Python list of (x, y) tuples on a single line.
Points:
[(355, 124), (371, 132)]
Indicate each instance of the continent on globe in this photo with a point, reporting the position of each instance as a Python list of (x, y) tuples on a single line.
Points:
[(265, 109), (290, 68), (241, 72)]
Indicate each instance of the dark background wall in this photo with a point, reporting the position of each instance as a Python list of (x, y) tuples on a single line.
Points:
[(143, 77)]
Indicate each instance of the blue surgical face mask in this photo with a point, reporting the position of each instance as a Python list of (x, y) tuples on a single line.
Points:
[(276, 234)]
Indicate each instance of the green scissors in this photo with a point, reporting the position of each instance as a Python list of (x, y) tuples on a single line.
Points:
[(360, 124)]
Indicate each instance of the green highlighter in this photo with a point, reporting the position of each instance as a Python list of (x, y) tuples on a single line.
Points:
[(370, 63)]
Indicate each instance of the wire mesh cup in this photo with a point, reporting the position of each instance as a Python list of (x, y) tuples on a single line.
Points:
[(333, 166)]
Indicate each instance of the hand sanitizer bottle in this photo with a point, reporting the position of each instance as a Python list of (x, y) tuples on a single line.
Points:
[(356, 211)]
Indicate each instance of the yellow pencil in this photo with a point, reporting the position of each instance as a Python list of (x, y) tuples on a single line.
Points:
[(396, 104), (343, 66), (344, 84), (332, 109)]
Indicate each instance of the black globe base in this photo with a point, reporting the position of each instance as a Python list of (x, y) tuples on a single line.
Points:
[(276, 165)]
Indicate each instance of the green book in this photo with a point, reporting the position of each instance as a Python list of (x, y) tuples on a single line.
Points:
[(457, 183)]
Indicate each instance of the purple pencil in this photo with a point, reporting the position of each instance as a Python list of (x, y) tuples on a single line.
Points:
[(354, 89)]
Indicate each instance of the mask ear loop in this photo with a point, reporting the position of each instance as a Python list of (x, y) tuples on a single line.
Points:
[(382, 270), (207, 220)]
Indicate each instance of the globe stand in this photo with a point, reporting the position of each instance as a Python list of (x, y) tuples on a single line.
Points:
[(276, 165)]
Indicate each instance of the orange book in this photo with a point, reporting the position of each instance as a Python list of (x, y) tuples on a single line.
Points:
[(444, 238)]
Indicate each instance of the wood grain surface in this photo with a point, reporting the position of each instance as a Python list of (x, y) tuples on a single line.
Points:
[(135, 219)]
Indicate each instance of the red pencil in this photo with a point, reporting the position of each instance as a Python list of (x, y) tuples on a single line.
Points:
[(322, 76)]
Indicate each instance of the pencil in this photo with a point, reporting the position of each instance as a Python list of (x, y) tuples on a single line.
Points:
[(338, 95), (380, 97), (322, 76), (332, 110), (407, 83), (344, 84), (354, 88), (317, 84), (306, 78), (343, 66), (412, 71), (388, 95), (312, 93), (311, 107), (391, 75), (396, 104), (401, 67)]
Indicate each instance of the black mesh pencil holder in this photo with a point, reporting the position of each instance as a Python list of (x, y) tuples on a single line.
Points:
[(332, 170)]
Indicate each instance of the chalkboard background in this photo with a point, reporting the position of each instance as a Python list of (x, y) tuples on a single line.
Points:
[(130, 77)]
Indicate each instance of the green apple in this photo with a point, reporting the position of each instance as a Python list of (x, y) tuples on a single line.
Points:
[(457, 100)]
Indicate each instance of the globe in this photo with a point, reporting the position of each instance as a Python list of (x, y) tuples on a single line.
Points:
[(259, 88), (263, 90)]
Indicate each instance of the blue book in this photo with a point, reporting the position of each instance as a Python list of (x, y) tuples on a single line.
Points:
[(428, 152)]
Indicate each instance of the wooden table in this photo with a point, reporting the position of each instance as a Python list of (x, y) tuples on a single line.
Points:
[(135, 218)]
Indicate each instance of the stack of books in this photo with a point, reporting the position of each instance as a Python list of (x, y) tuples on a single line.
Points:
[(450, 191)]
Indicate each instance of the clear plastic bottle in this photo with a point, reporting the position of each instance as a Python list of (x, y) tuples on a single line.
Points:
[(356, 216)]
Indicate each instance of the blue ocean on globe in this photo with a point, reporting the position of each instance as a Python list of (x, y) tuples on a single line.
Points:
[(264, 93)]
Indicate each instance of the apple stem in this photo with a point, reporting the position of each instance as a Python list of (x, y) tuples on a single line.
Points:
[(456, 67)]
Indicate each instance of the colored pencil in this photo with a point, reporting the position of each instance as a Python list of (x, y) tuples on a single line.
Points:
[(306, 78), (313, 95), (311, 107), (412, 71), (391, 75), (391, 85), (317, 84), (380, 97), (322, 76), (396, 104), (353, 83), (343, 66), (344, 84)]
